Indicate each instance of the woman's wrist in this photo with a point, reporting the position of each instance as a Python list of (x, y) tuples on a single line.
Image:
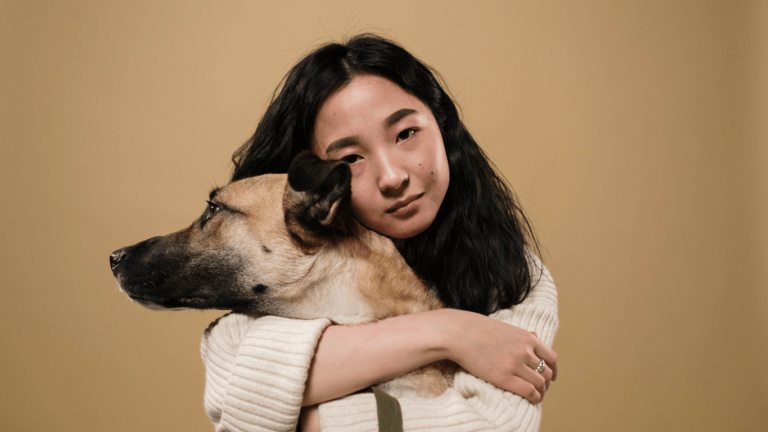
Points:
[(442, 329)]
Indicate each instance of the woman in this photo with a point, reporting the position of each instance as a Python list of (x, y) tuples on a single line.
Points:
[(419, 178)]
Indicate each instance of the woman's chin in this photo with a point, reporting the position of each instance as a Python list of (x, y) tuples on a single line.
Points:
[(400, 229)]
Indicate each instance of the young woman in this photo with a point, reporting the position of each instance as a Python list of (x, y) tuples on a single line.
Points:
[(419, 178)]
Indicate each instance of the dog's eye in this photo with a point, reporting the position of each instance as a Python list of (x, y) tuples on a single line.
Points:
[(210, 211)]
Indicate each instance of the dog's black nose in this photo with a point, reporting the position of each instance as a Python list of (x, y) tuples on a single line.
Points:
[(116, 257)]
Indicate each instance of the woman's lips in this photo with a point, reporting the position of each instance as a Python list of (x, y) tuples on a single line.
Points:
[(403, 205)]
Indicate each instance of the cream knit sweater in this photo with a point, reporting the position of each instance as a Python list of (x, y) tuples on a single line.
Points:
[(256, 367)]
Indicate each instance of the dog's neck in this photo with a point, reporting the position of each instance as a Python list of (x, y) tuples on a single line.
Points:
[(369, 280)]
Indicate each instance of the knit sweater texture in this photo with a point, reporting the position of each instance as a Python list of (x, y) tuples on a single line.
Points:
[(256, 367)]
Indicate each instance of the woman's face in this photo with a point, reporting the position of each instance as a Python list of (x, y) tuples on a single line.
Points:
[(394, 147)]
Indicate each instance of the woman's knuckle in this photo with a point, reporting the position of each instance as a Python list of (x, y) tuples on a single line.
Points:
[(533, 394)]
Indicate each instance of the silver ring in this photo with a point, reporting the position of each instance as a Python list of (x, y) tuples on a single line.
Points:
[(540, 368)]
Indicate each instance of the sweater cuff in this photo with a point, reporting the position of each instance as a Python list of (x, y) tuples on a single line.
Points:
[(266, 386), (356, 412)]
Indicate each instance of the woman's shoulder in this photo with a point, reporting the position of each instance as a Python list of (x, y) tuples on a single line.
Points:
[(543, 292), (538, 312)]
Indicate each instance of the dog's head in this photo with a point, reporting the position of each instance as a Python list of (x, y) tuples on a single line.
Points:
[(253, 247)]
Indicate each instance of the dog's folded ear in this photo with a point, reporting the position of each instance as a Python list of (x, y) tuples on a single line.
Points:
[(317, 191)]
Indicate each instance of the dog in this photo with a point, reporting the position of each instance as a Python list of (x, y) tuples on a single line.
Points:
[(285, 245)]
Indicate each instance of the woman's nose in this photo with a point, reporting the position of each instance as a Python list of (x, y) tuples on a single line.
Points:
[(392, 176)]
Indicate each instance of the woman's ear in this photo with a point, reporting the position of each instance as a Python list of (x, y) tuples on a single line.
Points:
[(316, 191)]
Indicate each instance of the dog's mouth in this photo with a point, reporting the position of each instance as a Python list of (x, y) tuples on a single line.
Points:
[(171, 303), (153, 304), (162, 304), (159, 303)]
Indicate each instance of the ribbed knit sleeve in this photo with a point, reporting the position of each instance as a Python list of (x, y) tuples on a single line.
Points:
[(471, 404), (256, 367)]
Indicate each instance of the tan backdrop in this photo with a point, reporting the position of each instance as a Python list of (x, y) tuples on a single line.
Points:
[(633, 132)]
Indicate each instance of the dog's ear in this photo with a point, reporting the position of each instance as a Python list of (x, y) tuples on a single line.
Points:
[(317, 191)]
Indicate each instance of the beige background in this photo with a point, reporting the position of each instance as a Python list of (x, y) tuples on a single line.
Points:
[(634, 132)]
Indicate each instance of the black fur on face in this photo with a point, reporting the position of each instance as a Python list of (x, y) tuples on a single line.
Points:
[(169, 272)]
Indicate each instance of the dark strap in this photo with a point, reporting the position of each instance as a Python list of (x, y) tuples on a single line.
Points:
[(390, 416)]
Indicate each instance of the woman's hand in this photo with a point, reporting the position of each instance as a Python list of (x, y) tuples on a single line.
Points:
[(498, 353)]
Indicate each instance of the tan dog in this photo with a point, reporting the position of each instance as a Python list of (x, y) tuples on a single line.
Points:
[(283, 245)]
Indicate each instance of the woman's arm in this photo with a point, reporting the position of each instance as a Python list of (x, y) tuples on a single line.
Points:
[(349, 358)]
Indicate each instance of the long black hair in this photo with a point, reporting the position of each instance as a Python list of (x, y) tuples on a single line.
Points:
[(477, 253)]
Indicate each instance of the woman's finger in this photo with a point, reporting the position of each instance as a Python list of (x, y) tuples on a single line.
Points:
[(546, 372), (548, 375), (525, 389), (548, 355), (534, 378)]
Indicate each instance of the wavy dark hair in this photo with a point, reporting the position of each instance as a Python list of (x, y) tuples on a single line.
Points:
[(476, 254)]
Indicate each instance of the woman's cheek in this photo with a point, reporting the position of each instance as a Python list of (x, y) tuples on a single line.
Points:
[(360, 199)]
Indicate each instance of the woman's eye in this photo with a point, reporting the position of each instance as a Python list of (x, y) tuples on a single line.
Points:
[(404, 135), (351, 158)]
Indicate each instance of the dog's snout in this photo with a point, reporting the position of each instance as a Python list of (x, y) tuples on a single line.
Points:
[(116, 257)]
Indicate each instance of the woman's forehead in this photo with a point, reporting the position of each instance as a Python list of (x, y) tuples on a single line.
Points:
[(367, 101), (369, 92)]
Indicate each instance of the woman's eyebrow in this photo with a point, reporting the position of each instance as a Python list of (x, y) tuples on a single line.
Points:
[(397, 116), (340, 144)]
